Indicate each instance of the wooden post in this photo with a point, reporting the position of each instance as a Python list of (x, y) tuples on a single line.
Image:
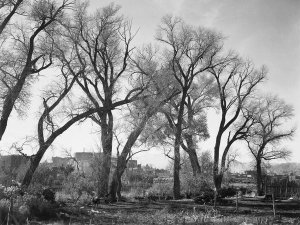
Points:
[(286, 187), (10, 211), (215, 199), (273, 200), (237, 201)]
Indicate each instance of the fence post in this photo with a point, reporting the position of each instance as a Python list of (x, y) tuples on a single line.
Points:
[(273, 200), (237, 203)]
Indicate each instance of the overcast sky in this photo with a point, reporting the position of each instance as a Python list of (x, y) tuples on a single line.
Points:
[(267, 32)]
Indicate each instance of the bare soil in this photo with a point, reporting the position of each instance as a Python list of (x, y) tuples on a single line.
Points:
[(177, 212)]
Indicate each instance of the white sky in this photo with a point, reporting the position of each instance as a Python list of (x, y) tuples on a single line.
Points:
[(268, 32)]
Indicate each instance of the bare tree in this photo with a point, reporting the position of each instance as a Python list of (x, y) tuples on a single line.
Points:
[(160, 90), (270, 114), (189, 52), (236, 81), (59, 111), (48, 129), (201, 97), (27, 51), (103, 46)]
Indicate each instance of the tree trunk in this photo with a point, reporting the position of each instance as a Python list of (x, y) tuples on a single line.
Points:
[(115, 187), (9, 15), (106, 139), (259, 177), (216, 162), (218, 184), (34, 163), (218, 181), (178, 131), (191, 149), (9, 101), (15, 91), (176, 174), (193, 155)]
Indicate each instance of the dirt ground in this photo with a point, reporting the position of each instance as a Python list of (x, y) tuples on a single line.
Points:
[(174, 212)]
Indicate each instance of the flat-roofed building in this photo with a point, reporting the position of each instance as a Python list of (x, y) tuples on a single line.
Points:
[(61, 161), (12, 162)]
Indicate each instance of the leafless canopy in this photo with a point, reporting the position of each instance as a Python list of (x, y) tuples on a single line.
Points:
[(270, 114)]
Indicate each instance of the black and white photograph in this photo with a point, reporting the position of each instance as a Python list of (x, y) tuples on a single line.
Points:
[(149, 112)]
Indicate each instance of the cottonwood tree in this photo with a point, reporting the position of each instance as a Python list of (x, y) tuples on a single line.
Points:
[(236, 81), (8, 9), (103, 46), (194, 129), (160, 89), (60, 107), (25, 52), (201, 97), (271, 115), (189, 52), (50, 124)]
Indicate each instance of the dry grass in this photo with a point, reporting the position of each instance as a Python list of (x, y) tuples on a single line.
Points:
[(159, 214)]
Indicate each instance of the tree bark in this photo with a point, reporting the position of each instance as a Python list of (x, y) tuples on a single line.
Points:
[(34, 163), (259, 177), (10, 15), (177, 144), (10, 101), (191, 150), (115, 186), (44, 145), (216, 161), (106, 139), (28, 69)]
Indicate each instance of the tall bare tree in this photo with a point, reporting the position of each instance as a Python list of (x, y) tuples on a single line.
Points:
[(103, 46), (236, 81), (49, 126), (159, 91), (25, 52), (201, 97), (270, 114), (189, 52)]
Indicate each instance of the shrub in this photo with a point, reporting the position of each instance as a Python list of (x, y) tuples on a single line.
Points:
[(206, 196), (41, 209), (195, 186), (160, 189), (227, 192), (77, 187)]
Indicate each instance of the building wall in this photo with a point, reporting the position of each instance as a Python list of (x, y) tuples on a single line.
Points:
[(12, 162)]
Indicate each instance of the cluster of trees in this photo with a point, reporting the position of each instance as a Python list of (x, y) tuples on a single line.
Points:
[(165, 90)]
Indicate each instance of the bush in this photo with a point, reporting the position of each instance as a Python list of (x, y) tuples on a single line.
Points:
[(194, 186), (206, 196), (41, 209), (78, 188), (18, 217), (227, 192), (160, 189)]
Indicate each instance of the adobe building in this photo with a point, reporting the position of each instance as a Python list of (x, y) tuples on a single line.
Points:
[(12, 162)]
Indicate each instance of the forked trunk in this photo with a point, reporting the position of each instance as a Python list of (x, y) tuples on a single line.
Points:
[(116, 185)]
